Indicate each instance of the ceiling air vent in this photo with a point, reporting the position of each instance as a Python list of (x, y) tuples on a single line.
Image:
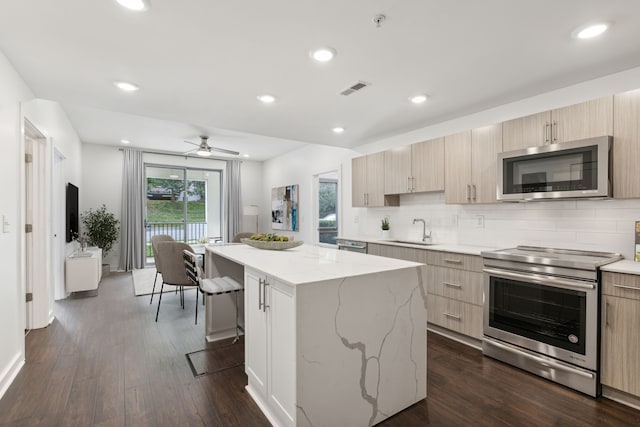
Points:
[(354, 88)]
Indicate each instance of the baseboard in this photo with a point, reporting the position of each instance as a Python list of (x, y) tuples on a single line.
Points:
[(10, 373), (621, 397), (464, 339)]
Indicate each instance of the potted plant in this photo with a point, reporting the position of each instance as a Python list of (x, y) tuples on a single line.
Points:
[(101, 227), (384, 224)]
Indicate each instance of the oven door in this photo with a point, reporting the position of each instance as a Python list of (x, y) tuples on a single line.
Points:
[(554, 316)]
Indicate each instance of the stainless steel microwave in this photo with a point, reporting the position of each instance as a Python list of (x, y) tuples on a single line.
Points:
[(566, 170)]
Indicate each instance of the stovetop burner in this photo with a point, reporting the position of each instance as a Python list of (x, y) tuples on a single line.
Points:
[(584, 260)]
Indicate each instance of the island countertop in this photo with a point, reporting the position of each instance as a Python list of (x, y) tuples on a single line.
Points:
[(308, 263)]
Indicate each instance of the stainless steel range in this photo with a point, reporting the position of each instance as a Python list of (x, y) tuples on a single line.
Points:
[(542, 314)]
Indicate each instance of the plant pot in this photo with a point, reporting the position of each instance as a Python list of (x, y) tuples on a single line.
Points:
[(386, 234)]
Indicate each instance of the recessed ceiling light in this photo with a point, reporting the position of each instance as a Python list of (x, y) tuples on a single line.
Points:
[(591, 31), (245, 155), (126, 86), (418, 99), (137, 5), (266, 98), (338, 129), (323, 54), (125, 141)]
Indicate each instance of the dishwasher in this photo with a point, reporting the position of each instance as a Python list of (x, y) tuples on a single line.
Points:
[(352, 246)]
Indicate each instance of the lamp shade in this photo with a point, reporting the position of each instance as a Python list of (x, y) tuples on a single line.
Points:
[(251, 210)]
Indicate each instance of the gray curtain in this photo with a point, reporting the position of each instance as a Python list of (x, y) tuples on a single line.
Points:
[(234, 210), (132, 239)]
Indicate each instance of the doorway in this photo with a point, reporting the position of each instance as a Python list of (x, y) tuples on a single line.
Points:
[(37, 264), (327, 207), (184, 203)]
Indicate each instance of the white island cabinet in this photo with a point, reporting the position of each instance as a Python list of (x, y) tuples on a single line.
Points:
[(331, 337)]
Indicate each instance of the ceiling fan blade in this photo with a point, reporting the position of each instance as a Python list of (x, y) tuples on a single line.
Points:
[(222, 150), (192, 143)]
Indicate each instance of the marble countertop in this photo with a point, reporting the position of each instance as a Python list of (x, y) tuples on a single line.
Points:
[(444, 247), (624, 266), (308, 263)]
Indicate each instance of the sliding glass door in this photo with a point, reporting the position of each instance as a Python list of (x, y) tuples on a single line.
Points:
[(184, 203)]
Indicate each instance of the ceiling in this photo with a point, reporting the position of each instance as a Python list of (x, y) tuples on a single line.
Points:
[(201, 63)]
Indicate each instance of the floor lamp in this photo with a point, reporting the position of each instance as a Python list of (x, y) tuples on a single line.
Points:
[(252, 210)]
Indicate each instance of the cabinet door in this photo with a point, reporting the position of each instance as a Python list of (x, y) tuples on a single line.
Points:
[(397, 170), (255, 319), (584, 120), (486, 143), (457, 163), (282, 362), (620, 344), (525, 132), (427, 165), (375, 179), (626, 145), (358, 181)]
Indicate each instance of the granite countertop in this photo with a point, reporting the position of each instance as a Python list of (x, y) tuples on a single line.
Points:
[(308, 263), (444, 247), (624, 266)]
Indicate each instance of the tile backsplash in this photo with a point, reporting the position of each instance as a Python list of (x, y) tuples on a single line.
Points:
[(596, 225)]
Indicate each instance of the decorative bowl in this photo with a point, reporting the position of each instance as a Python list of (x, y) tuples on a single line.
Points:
[(272, 245)]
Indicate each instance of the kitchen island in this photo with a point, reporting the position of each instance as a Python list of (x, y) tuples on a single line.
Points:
[(331, 337)]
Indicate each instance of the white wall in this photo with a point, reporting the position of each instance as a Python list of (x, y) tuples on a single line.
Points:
[(251, 185), (13, 91), (299, 167), (592, 225)]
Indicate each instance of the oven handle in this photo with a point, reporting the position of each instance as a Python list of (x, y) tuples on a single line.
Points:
[(544, 362), (539, 279)]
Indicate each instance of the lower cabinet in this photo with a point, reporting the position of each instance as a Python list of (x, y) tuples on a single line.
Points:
[(620, 321), (270, 362), (83, 270)]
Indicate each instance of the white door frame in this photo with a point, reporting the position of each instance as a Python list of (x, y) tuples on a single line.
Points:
[(58, 209), (316, 208)]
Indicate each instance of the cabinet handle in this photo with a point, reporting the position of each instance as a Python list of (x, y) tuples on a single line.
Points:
[(545, 132), (606, 313), (409, 183), (468, 192), (632, 288), (264, 295), (554, 131), (259, 294), (452, 285), (413, 183), (453, 261), (452, 316), (473, 197)]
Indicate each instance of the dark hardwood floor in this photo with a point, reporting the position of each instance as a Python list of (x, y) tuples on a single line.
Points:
[(105, 362)]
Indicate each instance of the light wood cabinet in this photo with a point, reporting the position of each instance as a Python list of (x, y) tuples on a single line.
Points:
[(415, 168), (470, 165), (397, 252), (620, 319), (626, 144), (367, 182), (579, 121)]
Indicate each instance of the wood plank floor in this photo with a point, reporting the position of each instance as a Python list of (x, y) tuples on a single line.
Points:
[(105, 362)]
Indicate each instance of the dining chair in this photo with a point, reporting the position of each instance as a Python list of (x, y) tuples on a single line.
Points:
[(173, 271), (154, 241), (211, 286)]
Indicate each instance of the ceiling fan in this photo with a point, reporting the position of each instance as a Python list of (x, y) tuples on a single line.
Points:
[(205, 150)]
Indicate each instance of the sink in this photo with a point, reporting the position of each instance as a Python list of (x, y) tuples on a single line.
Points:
[(410, 242)]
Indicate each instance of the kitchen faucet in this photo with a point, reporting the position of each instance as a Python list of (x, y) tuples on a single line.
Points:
[(425, 236)]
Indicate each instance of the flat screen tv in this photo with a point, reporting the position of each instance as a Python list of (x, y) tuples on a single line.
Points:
[(72, 212)]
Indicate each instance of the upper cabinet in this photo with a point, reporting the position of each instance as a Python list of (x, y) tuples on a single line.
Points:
[(367, 182), (580, 121), (470, 165), (626, 145), (415, 168)]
